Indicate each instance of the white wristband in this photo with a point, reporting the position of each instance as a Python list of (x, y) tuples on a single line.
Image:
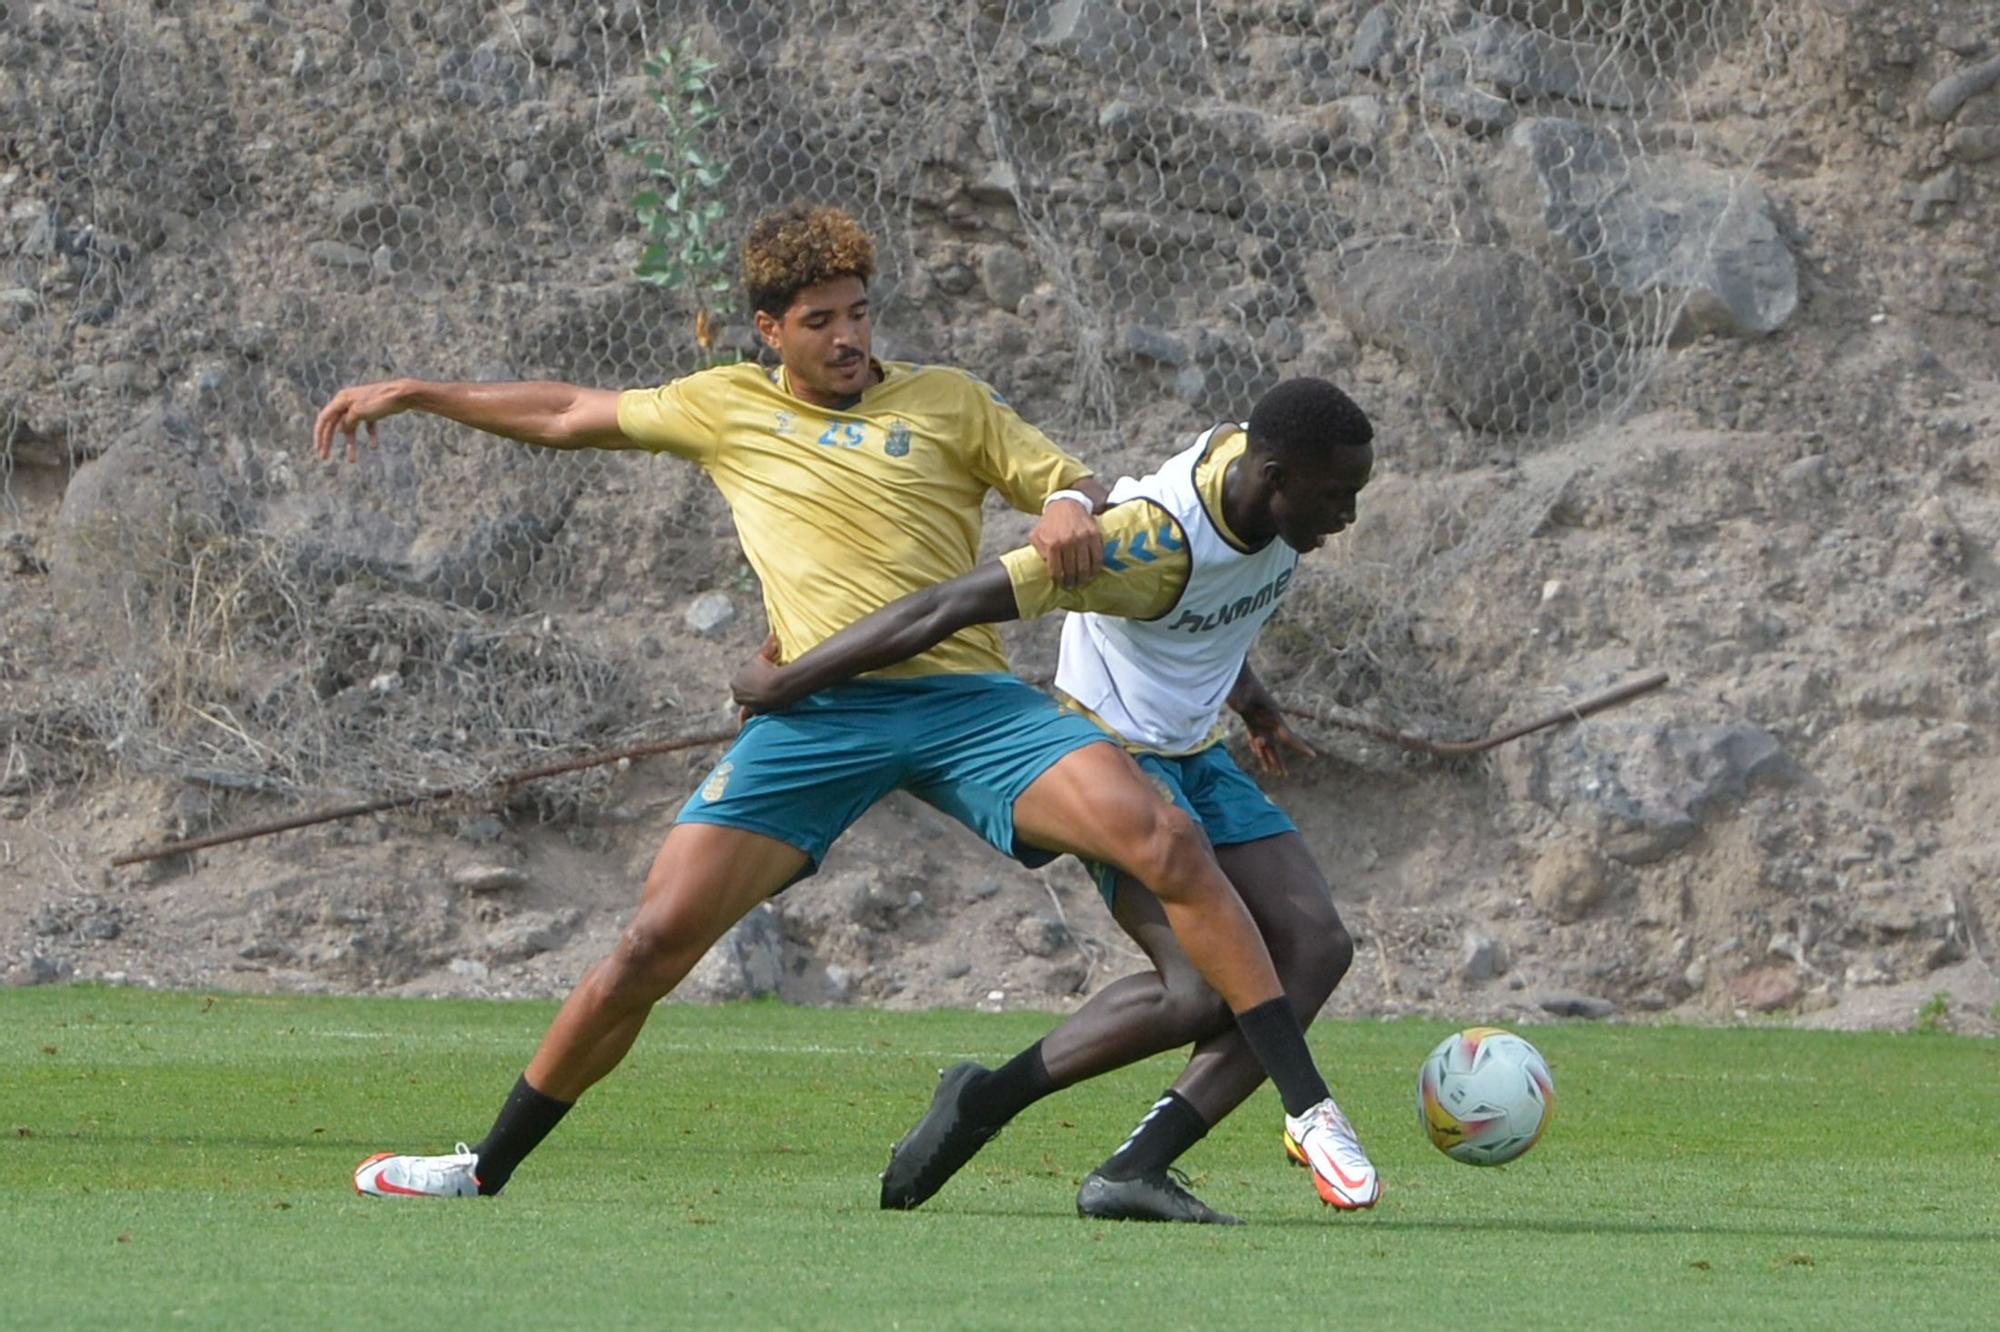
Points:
[(1076, 495)]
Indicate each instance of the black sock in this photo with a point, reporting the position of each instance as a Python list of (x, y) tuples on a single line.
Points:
[(1169, 1129), (996, 1096), (523, 1122), (1279, 1042)]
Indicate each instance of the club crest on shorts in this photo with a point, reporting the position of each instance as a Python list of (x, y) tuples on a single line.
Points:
[(718, 781), (898, 443)]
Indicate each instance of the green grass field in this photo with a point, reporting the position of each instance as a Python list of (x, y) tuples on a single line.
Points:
[(183, 1159)]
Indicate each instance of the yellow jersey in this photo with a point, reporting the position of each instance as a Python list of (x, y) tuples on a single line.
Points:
[(840, 512)]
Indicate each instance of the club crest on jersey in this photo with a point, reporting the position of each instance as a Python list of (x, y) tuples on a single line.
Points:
[(718, 781), (783, 424), (897, 445), (1194, 622)]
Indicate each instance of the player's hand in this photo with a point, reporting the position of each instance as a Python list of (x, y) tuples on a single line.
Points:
[(352, 408), (759, 683), (1069, 542), (1269, 735)]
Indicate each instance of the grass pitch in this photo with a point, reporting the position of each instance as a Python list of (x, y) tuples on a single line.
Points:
[(183, 1159)]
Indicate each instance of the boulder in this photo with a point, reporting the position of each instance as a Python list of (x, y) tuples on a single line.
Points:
[(1642, 791), (746, 963), (1492, 333), (1653, 238)]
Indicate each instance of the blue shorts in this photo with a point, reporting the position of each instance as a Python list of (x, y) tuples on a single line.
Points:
[(1231, 808), (968, 744)]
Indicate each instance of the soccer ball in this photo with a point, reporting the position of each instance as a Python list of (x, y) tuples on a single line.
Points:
[(1484, 1096)]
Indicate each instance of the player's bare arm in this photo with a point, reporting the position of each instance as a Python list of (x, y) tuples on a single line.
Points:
[(898, 631), (1265, 720), (554, 415), (1067, 537)]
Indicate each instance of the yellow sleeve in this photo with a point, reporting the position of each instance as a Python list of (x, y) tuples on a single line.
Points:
[(1016, 459), (1145, 569), (669, 419)]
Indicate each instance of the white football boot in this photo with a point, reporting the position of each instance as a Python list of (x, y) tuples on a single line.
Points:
[(1323, 1142), (386, 1175)]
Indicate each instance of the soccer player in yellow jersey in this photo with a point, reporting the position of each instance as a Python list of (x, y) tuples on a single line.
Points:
[(852, 482), (1197, 555)]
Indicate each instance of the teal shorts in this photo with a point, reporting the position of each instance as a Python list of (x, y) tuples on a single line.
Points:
[(968, 744), (1230, 807)]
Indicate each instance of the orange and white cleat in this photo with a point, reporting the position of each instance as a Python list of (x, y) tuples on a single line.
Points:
[(1323, 1142), (387, 1175)]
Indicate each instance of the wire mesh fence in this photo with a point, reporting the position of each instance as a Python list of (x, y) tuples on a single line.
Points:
[(1495, 216)]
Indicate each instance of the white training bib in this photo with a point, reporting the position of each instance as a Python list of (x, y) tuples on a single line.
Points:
[(1161, 683)]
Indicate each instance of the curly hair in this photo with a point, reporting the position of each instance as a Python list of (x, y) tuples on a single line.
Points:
[(800, 246)]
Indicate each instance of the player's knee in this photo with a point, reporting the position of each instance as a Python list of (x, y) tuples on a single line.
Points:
[(1191, 1011), (649, 959), (1170, 854)]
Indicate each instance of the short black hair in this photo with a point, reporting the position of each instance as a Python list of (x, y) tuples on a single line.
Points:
[(1307, 416)]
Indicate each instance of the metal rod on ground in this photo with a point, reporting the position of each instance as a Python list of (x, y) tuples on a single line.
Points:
[(500, 783), (1461, 748)]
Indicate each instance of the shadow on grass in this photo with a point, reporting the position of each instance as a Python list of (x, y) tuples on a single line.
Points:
[(1372, 1224)]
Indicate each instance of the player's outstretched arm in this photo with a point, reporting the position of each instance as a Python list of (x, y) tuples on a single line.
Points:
[(898, 631), (557, 416)]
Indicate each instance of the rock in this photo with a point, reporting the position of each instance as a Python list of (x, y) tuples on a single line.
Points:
[(470, 968), (1523, 63), (1005, 275), (984, 889), (1808, 478), (709, 614), (1953, 91), (1563, 1004), (1646, 235), (746, 963), (490, 879), (483, 830), (18, 307), (1481, 957), (1931, 524), (1643, 790), (1100, 35), (1936, 196), (1492, 333), (1767, 989), (1040, 936), (339, 255), (530, 933), (1567, 881), (487, 77), (35, 969), (1475, 112), (837, 983), (1973, 143), (1374, 41), (1150, 344), (953, 279), (157, 484)]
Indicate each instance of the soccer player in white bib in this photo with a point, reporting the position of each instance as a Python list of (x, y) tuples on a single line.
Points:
[(1197, 556)]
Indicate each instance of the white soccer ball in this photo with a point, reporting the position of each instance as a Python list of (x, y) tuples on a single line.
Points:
[(1484, 1096)]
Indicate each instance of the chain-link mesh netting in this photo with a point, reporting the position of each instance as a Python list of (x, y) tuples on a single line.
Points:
[(1490, 218)]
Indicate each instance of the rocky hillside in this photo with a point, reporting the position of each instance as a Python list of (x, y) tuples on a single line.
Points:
[(1680, 328)]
